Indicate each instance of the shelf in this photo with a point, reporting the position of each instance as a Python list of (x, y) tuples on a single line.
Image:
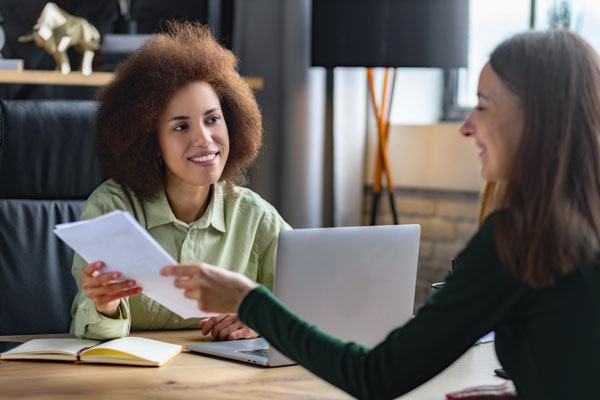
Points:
[(38, 77), (34, 77)]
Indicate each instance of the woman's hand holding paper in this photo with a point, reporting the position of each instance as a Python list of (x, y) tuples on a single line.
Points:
[(106, 289), (215, 289)]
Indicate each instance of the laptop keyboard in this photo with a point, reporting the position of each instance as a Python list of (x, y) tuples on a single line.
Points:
[(256, 352)]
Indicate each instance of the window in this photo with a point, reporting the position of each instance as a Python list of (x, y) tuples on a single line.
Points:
[(491, 22), (584, 17)]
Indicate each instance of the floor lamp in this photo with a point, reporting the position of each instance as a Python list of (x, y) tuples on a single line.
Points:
[(382, 164), (390, 34)]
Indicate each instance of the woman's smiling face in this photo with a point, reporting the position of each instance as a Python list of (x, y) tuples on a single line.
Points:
[(193, 137), (496, 124)]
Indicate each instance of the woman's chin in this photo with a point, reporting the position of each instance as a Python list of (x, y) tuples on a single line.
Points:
[(485, 174)]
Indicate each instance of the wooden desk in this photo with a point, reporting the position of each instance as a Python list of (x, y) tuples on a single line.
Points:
[(191, 376), (37, 77)]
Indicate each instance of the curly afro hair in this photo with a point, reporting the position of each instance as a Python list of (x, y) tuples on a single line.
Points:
[(132, 102)]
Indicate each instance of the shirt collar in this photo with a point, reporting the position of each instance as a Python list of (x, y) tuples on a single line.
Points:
[(158, 211)]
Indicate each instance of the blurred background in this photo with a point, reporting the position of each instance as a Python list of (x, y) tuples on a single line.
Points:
[(318, 162)]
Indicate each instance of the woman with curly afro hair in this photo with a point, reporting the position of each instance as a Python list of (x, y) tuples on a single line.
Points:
[(176, 129)]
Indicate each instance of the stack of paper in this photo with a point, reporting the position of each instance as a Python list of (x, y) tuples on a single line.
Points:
[(123, 245)]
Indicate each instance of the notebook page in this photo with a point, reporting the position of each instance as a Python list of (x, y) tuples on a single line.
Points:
[(56, 346), (147, 349)]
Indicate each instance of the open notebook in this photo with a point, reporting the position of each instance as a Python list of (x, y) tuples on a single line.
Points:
[(127, 350)]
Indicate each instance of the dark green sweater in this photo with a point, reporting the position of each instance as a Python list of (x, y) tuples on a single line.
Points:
[(548, 340)]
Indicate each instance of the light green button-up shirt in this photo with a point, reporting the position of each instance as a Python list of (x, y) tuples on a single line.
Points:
[(237, 232)]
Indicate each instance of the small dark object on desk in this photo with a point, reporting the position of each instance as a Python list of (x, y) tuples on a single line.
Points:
[(501, 373), (439, 285)]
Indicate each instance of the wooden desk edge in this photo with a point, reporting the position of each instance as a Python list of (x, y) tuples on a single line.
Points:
[(183, 336)]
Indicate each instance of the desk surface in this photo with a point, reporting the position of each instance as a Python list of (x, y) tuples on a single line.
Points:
[(191, 376)]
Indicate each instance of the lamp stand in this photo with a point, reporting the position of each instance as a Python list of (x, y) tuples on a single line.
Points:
[(328, 144), (382, 161)]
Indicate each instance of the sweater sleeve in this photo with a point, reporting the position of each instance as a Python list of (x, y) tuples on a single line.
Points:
[(476, 297)]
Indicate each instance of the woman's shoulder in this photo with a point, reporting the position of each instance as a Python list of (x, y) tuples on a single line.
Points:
[(108, 188), (109, 191), (110, 195), (479, 261), (486, 228), (482, 244), (242, 196), (248, 202)]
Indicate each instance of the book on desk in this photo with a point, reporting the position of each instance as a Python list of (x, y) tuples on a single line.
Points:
[(128, 350)]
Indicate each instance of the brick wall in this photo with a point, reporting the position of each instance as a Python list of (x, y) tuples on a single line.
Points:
[(448, 219)]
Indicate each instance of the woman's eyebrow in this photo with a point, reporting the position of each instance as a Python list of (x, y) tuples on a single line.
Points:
[(179, 117), (483, 96), (211, 110)]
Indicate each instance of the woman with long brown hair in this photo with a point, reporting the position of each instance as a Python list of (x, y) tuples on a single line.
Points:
[(530, 273)]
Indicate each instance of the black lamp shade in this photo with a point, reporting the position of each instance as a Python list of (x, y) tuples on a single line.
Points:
[(390, 33)]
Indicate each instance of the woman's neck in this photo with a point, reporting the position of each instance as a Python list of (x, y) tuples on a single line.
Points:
[(187, 202)]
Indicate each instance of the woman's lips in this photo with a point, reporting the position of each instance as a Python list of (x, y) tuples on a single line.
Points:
[(481, 147), (205, 158)]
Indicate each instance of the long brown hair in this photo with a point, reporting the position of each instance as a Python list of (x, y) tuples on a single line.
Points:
[(550, 218)]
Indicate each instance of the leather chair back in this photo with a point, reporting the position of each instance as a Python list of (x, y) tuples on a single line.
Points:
[(48, 168)]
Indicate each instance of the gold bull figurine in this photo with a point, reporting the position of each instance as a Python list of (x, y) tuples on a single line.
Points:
[(56, 31)]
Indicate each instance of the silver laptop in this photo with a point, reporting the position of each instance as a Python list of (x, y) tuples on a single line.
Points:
[(357, 283)]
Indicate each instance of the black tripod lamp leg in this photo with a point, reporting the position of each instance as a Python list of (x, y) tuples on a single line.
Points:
[(393, 207), (374, 206)]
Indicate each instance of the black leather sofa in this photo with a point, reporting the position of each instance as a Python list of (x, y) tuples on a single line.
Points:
[(48, 167)]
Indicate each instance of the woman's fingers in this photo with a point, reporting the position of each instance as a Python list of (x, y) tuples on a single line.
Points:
[(242, 333), (181, 270), (186, 283), (100, 279), (89, 269), (116, 295), (92, 277), (104, 290), (228, 330), (227, 324), (215, 289), (209, 323), (192, 293)]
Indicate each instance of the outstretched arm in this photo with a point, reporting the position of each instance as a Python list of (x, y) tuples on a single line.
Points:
[(477, 296)]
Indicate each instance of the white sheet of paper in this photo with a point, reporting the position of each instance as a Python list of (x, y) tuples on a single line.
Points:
[(118, 240)]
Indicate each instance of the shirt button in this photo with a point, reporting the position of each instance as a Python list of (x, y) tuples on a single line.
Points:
[(176, 320)]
